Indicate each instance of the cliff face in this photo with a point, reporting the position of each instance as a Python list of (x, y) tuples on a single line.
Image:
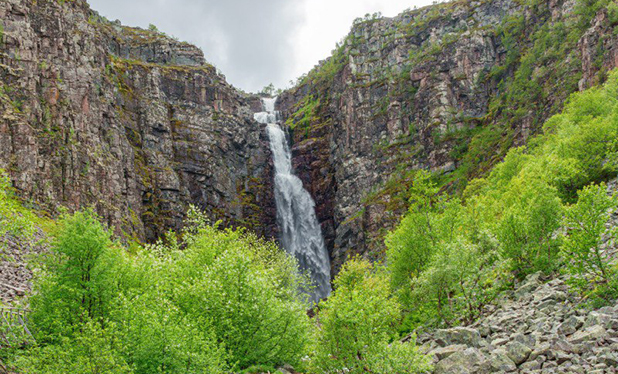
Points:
[(129, 121), (448, 88)]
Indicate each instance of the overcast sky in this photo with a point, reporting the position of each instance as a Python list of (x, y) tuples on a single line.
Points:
[(254, 42)]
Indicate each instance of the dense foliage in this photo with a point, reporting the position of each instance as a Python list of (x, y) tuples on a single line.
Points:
[(225, 301), (204, 301), (450, 256), (358, 323)]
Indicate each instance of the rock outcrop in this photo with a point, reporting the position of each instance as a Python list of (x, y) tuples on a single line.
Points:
[(447, 88), (128, 121)]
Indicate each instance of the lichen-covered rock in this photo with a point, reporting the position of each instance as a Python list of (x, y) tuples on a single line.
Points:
[(590, 333), (462, 362), (518, 352), (499, 361), (458, 335), (441, 353)]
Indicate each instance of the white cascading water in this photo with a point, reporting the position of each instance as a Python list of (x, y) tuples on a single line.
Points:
[(301, 234)]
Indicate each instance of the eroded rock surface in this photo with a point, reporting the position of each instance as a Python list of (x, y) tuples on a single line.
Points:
[(441, 88), (129, 121)]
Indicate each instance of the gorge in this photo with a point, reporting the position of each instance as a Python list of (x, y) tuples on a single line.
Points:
[(139, 126), (446, 178)]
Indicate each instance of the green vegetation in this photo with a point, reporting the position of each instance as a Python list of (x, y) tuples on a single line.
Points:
[(449, 257), (203, 301), (14, 219), (358, 324), (225, 302), (306, 115), (586, 221)]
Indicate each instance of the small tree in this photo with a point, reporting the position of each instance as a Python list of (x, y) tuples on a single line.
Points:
[(268, 90), (586, 221), (74, 288)]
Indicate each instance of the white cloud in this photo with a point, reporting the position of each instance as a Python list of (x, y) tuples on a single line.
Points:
[(254, 42)]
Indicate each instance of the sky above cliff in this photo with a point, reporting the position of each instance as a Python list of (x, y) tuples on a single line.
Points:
[(254, 42)]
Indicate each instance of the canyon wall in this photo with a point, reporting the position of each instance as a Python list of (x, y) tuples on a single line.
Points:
[(129, 121), (447, 89), (138, 125)]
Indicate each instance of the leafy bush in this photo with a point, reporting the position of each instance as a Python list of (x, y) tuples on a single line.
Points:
[(249, 289), (92, 350), (14, 219), (531, 214), (431, 221), (586, 222), (213, 301), (446, 253), (76, 286), (356, 325), (458, 283)]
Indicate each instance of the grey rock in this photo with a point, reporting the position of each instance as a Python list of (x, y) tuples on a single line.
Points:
[(499, 361), (591, 333), (518, 352), (443, 352), (462, 362), (571, 325), (598, 318), (458, 335)]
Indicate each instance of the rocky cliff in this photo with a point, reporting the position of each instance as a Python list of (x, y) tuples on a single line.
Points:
[(447, 88), (128, 121)]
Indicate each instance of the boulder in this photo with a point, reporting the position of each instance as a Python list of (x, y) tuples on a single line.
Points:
[(462, 362), (459, 335), (499, 361), (591, 333), (570, 326), (518, 352), (443, 352)]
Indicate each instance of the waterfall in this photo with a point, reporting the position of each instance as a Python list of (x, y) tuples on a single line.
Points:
[(300, 232)]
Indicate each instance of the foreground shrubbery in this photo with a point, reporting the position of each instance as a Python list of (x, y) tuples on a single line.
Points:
[(226, 301), (449, 257), (358, 326), (212, 301)]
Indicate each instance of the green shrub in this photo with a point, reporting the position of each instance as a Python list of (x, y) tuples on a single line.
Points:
[(14, 219), (431, 221), (531, 214), (586, 223), (356, 325), (249, 289), (92, 350), (517, 210), (159, 337), (77, 285), (461, 279), (211, 301)]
